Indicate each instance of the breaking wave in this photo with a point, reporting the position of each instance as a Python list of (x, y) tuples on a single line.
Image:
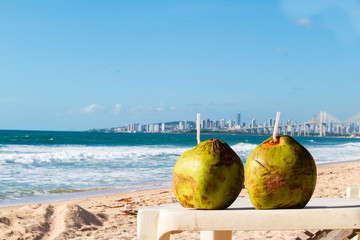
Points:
[(35, 170)]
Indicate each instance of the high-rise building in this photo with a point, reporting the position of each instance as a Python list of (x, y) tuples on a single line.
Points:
[(253, 123), (203, 124), (162, 127), (338, 129), (230, 123), (331, 127), (208, 123), (132, 127), (181, 126), (156, 128), (129, 128), (273, 120), (238, 119), (222, 123), (215, 124), (151, 128)]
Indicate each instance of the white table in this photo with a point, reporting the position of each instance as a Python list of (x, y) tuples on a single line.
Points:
[(158, 223)]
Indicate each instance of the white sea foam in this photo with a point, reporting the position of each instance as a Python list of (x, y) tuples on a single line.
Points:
[(243, 149), (152, 155), (71, 154), (35, 170), (335, 153), (31, 170)]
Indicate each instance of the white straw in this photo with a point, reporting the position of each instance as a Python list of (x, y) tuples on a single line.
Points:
[(198, 128), (276, 126)]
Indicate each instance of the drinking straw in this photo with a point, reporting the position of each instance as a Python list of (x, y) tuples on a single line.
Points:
[(276, 126)]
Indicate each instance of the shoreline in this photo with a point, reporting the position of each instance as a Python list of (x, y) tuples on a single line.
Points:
[(113, 216), (54, 197), (78, 195), (112, 191)]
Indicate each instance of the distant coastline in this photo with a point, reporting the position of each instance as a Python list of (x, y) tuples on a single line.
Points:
[(222, 132), (321, 125)]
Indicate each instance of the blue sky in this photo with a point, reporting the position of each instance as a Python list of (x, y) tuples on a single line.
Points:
[(76, 65)]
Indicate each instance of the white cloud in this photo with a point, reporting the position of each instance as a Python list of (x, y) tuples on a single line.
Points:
[(137, 109), (339, 17), (92, 108), (305, 21), (157, 109), (279, 49), (151, 109), (116, 110)]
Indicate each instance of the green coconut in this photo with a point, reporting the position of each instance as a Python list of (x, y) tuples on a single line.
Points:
[(210, 176), (280, 174)]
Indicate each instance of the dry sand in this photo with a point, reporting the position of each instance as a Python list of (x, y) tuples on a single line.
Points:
[(114, 216)]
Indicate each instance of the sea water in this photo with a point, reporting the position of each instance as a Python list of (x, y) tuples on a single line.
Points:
[(40, 166)]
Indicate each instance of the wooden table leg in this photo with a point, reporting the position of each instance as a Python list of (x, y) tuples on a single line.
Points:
[(215, 235)]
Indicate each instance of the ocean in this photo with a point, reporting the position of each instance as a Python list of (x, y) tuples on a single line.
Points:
[(38, 166)]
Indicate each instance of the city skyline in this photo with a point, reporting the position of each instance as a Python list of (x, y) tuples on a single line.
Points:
[(78, 65), (237, 118), (321, 124)]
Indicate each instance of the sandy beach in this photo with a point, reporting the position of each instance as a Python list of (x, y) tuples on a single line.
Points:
[(114, 216)]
